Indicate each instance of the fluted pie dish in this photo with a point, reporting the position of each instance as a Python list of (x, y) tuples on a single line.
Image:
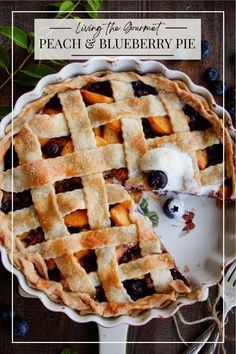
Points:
[(84, 152)]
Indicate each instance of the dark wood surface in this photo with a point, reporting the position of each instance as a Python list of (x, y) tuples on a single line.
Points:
[(50, 326)]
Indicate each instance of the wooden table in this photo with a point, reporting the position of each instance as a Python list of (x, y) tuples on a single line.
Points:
[(49, 326)]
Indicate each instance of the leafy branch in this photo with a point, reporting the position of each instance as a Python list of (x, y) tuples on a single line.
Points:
[(68, 351), (29, 75), (152, 215)]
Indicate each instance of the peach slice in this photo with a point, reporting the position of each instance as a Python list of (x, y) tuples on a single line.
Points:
[(50, 111), (202, 159), (121, 174), (112, 136), (97, 131), (68, 148), (161, 125), (50, 263), (92, 98), (136, 195), (120, 214), (43, 141), (78, 218), (101, 142), (115, 125)]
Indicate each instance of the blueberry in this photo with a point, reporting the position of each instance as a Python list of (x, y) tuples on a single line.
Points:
[(6, 205), (89, 262), (218, 88), (100, 294), (54, 274), (149, 133), (211, 74), (103, 87), (196, 121), (25, 199), (206, 48), (231, 110), (231, 94), (157, 180), (51, 149), (177, 275), (215, 154), (6, 312), (173, 208), (54, 102), (20, 327), (139, 288), (8, 159), (141, 89), (129, 254)]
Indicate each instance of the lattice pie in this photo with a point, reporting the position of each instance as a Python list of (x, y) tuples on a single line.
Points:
[(83, 154)]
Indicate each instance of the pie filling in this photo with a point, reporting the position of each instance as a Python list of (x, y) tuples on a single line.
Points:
[(53, 106), (196, 120), (10, 159), (67, 185), (57, 147), (156, 152), (32, 237), (20, 200)]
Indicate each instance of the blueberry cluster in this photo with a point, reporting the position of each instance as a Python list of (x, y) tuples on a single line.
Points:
[(216, 86), (20, 326)]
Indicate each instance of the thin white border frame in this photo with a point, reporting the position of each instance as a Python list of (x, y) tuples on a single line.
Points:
[(223, 234)]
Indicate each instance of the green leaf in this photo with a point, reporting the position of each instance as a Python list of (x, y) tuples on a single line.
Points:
[(38, 70), (19, 37), (4, 59), (67, 6), (31, 46), (25, 80), (68, 351), (58, 62), (55, 4), (94, 4), (4, 110), (152, 215), (91, 6), (144, 205)]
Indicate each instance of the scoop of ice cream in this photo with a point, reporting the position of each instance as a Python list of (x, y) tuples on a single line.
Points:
[(176, 164)]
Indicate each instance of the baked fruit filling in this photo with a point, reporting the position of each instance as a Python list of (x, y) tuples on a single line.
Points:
[(196, 120), (82, 156), (20, 200), (32, 237)]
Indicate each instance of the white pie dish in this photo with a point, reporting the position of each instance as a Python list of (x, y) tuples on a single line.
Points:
[(212, 265)]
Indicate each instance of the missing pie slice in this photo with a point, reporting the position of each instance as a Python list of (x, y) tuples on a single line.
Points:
[(83, 154)]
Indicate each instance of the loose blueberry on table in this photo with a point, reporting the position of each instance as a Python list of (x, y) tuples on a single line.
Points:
[(20, 327), (218, 88), (211, 74), (206, 48), (6, 313)]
